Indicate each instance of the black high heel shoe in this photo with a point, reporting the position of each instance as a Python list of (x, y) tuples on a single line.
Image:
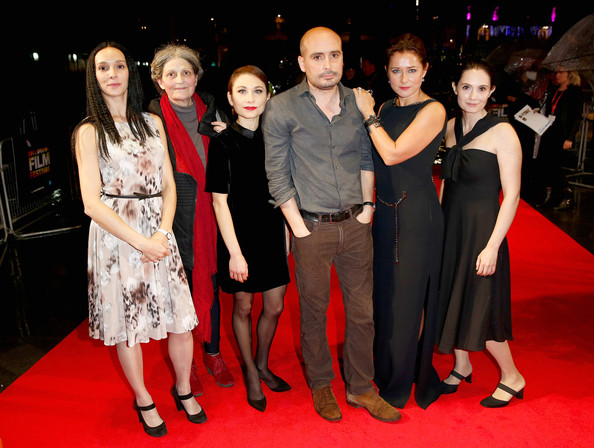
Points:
[(259, 404), (451, 388), (154, 431), (491, 402), (281, 385), (194, 418)]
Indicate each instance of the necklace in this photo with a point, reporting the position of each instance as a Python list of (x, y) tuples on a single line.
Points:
[(397, 102)]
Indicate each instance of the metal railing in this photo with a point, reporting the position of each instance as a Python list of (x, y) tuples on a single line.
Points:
[(28, 194)]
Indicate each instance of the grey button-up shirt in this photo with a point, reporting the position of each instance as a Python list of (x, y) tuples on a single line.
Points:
[(316, 160)]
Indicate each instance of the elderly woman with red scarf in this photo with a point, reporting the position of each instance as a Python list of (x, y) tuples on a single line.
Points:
[(190, 119)]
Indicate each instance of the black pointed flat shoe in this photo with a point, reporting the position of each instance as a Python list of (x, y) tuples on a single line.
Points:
[(194, 418), (153, 431), (451, 388), (491, 402)]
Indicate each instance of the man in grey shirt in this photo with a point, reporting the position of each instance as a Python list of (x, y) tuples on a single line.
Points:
[(320, 172)]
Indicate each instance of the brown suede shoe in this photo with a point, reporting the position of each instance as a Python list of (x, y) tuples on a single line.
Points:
[(326, 404), (375, 405)]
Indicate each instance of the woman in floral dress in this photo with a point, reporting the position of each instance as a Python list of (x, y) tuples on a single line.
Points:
[(137, 286)]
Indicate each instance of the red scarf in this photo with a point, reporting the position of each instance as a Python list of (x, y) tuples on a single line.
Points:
[(205, 227)]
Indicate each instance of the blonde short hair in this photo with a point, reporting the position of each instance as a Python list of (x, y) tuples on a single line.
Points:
[(574, 78)]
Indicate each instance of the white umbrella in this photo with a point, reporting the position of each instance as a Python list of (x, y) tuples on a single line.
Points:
[(575, 49)]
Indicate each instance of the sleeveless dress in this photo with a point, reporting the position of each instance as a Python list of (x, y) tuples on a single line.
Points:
[(130, 300), (236, 168), (407, 243), (473, 309)]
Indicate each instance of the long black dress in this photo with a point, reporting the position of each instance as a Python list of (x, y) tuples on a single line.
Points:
[(407, 243), (236, 167), (473, 309)]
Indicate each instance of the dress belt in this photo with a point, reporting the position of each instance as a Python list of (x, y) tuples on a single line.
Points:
[(394, 205), (331, 217), (136, 195)]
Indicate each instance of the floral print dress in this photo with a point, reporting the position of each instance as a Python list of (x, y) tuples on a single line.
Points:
[(130, 300)]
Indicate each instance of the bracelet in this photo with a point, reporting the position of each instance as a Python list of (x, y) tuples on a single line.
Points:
[(165, 232), (373, 120), (369, 203)]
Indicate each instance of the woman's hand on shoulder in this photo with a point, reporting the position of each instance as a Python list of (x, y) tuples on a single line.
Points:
[(365, 102), (219, 126)]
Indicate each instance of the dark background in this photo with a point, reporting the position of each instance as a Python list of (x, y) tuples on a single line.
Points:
[(43, 280), (52, 89)]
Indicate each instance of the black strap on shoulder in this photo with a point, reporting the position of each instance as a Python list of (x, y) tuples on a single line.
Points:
[(481, 126)]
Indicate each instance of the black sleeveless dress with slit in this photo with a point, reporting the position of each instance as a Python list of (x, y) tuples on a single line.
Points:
[(407, 244)]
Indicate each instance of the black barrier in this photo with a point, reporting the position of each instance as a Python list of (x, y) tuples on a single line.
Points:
[(28, 195), (27, 176)]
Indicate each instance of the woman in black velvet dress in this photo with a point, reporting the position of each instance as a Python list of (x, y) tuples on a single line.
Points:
[(252, 244), (407, 228)]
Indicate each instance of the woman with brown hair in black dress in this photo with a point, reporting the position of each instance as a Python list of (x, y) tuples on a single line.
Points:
[(252, 243)]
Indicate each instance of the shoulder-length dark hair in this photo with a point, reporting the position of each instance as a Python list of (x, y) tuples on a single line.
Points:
[(97, 112)]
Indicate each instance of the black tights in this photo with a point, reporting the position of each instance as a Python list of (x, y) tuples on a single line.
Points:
[(272, 307)]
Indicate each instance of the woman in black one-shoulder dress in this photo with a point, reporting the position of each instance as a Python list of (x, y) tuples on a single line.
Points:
[(483, 160)]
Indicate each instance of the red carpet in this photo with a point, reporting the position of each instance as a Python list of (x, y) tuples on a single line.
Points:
[(75, 396)]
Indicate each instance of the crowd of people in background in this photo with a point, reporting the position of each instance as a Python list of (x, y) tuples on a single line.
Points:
[(336, 171)]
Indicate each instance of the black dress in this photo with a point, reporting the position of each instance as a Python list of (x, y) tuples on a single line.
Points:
[(473, 309), (566, 106), (236, 167), (407, 243)]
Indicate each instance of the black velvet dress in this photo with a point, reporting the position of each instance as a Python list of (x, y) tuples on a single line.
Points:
[(236, 167), (473, 309), (407, 244)]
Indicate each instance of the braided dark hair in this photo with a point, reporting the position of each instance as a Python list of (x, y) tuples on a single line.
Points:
[(97, 112)]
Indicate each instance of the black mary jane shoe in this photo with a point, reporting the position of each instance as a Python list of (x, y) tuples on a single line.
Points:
[(491, 402), (194, 418), (154, 431), (277, 384), (451, 388)]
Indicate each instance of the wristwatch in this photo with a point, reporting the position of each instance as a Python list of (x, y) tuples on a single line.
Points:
[(372, 120), (165, 232)]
